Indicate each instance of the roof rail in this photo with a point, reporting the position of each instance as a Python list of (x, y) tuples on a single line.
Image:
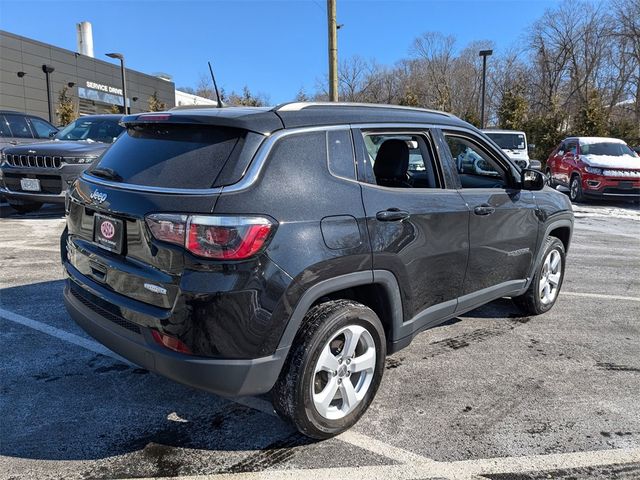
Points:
[(297, 106)]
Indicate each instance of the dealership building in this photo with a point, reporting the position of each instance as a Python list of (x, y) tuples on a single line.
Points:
[(94, 85)]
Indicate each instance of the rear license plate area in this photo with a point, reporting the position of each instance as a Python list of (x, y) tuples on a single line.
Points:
[(108, 232)]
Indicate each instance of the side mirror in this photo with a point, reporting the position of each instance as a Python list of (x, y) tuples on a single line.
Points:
[(532, 179), (52, 134), (535, 164)]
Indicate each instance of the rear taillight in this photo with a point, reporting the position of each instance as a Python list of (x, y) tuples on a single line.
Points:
[(213, 236), (168, 227), (169, 342)]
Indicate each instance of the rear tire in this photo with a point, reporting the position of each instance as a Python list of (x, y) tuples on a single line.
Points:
[(575, 189), (547, 280), (25, 207), (333, 370)]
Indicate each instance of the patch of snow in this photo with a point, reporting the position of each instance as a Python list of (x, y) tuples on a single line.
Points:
[(612, 161), (592, 140)]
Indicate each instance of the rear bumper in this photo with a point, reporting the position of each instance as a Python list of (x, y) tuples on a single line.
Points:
[(226, 377)]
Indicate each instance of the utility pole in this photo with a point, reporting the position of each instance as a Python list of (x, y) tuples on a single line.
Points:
[(484, 54), (333, 50)]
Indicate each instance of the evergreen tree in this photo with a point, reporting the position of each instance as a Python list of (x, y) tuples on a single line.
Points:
[(592, 120), (66, 109), (155, 105), (513, 108)]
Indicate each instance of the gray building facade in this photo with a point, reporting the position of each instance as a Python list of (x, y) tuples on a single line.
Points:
[(94, 85)]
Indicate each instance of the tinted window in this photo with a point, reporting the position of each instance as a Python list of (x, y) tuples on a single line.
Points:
[(391, 150), (18, 126), (96, 129), (341, 160), (4, 128), (477, 169), (176, 156), (43, 129)]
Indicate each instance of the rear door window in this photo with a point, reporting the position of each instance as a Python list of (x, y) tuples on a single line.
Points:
[(18, 126), (168, 156)]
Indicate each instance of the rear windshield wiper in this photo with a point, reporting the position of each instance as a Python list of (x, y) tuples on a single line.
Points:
[(108, 173)]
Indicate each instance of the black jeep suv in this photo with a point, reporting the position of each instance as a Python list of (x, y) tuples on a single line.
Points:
[(288, 250)]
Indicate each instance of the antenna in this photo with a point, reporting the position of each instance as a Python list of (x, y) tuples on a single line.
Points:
[(215, 86)]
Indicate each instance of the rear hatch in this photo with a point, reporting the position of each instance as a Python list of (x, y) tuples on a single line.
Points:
[(154, 167)]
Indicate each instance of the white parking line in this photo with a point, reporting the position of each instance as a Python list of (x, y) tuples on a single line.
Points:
[(600, 295), (60, 334)]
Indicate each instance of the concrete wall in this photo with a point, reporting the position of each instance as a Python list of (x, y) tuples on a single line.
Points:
[(29, 94)]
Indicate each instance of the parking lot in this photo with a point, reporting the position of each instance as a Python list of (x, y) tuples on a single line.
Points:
[(491, 394)]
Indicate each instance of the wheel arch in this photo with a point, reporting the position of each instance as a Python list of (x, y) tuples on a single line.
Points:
[(376, 289)]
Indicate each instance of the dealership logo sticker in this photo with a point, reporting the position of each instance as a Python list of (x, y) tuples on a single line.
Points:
[(98, 196), (107, 229)]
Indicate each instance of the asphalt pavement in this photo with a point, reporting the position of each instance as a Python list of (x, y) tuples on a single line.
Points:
[(491, 394)]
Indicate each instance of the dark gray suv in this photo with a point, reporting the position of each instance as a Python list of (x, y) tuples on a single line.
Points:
[(17, 128), (33, 174), (289, 250)]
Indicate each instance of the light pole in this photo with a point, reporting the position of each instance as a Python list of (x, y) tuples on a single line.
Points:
[(484, 54), (48, 70), (120, 57)]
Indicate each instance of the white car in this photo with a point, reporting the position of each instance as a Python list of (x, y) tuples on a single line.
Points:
[(513, 143)]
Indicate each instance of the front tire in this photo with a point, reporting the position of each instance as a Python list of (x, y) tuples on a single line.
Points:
[(547, 280), (333, 370), (575, 189), (550, 181)]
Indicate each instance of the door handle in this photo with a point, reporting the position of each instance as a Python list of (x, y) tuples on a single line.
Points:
[(484, 210), (392, 215)]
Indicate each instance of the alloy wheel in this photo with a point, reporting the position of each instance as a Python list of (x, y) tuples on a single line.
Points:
[(549, 282), (575, 186), (344, 372)]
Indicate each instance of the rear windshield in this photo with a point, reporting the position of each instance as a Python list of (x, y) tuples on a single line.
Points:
[(169, 156), (509, 141)]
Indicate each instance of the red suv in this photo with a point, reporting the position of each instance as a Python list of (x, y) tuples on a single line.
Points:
[(595, 167)]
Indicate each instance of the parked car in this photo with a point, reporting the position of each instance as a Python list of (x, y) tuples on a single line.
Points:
[(288, 250), (514, 144), (33, 174), (595, 167), (17, 128)]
